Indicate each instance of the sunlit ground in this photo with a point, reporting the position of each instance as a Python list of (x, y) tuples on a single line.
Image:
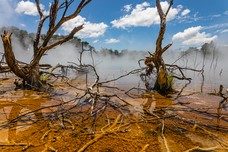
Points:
[(59, 121), (120, 115)]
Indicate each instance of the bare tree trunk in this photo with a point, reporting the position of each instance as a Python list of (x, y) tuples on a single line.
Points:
[(155, 60), (30, 73), (9, 55)]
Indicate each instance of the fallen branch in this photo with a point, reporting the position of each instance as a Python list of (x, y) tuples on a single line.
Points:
[(144, 148), (203, 149), (14, 144), (111, 129)]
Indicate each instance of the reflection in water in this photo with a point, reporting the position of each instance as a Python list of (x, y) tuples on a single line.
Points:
[(154, 103), (219, 112), (221, 106), (29, 101), (149, 106)]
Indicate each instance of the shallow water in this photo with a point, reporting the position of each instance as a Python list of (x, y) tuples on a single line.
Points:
[(174, 123)]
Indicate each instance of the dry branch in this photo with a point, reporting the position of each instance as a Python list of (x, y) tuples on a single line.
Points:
[(144, 148), (111, 129), (30, 73), (155, 60), (203, 149), (14, 144)]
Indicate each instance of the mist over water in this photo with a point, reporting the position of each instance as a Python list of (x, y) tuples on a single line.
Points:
[(107, 66), (215, 66), (111, 66)]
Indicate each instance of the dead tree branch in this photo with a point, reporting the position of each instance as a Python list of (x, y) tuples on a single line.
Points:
[(30, 73), (110, 130), (155, 60)]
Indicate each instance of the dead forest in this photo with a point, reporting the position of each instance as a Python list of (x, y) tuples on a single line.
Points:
[(157, 106)]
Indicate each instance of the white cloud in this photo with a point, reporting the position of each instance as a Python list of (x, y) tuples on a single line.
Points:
[(179, 7), (144, 15), (95, 41), (216, 26), (193, 36), (26, 7), (216, 15), (185, 12), (22, 25), (127, 8), (224, 31), (29, 8), (90, 30), (111, 41)]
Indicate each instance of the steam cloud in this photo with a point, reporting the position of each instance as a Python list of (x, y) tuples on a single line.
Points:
[(109, 66)]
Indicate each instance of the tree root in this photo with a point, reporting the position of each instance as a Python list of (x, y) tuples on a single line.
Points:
[(163, 137), (109, 130), (26, 146), (14, 144), (223, 143), (202, 149), (203, 129), (144, 148), (49, 148), (47, 144)]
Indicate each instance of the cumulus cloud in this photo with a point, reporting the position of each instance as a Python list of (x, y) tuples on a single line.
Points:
[(179, 7), (185, 12), (193, 36), (144, 15), (29, 8), (26, 7), (127, 8), (111, 41), (90, 30)]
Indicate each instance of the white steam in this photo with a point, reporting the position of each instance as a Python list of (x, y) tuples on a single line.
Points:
[(111, 66)]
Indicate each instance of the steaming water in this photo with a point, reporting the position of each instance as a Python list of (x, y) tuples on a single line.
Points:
[(215, 67), (110, 67)]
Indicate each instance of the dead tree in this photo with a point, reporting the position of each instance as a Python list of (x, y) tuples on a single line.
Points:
[(155, 62), (58, 15)]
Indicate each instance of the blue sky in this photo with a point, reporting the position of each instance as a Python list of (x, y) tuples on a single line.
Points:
[(132, 24)]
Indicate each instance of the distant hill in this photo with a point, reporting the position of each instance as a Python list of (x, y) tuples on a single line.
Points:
[(26, 39)]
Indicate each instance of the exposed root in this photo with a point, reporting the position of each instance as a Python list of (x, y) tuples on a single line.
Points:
[(163, 137), (14, 144), (144, 148), (71, 124), (47, 144), (197, 126), (49, 148), (109, 130), (26, 146), (223, 143), (46, 134), (203, 149)]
